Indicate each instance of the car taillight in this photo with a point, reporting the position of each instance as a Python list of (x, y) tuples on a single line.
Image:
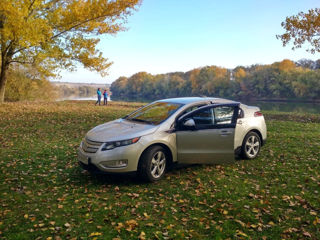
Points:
[(258, 114)]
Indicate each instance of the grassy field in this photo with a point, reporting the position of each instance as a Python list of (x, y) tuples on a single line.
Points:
[(45, 195)]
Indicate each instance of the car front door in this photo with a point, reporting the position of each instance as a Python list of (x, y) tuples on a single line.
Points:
[(206, 135)]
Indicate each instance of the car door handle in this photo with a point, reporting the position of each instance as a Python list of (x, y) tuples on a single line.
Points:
[(224, 133)]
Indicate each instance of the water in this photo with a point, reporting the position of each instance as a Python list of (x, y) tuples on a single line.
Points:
[(79, 98), (298, 107)]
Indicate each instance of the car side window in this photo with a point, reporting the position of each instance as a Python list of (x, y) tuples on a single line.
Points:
[(223, 115), (208, 118), (204, 118), (190, 109)]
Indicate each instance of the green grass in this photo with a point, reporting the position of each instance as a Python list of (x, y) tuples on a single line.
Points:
[(44, 194)]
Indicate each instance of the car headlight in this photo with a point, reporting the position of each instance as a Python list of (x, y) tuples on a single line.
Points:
[(115, 144)]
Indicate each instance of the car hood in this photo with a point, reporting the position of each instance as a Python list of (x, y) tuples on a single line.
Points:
[(119, 129)]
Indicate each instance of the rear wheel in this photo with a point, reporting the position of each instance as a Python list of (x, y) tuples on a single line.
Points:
[(153, 164), (251, 145)]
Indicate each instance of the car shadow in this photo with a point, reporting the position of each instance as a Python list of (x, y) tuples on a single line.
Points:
[(81, 177), (119, 179), (126, 179)]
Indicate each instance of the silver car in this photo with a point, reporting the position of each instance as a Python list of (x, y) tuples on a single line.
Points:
[(189, 130)]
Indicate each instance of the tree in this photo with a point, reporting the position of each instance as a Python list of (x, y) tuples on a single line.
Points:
[(53, 34), (118, 87), (24, 83), (285, 65), (306, 63), (301, 28)]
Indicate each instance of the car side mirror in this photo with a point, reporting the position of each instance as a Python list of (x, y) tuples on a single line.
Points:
[(189, 123)]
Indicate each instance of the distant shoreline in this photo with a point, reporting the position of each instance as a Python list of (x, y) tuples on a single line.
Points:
[(79, 84), (283, 100), (316, 101)]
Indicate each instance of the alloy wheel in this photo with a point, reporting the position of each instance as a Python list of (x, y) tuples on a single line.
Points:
[(158, 164), (252, 146)]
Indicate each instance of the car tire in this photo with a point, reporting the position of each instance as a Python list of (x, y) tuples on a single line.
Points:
[(251, 146), (153, 163)]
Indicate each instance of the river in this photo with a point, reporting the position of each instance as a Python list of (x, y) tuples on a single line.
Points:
[(300, 107)]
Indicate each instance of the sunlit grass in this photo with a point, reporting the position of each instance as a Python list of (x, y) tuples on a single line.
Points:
[(43, 192)]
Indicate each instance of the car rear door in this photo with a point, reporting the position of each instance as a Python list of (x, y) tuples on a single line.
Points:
[(211, 140)]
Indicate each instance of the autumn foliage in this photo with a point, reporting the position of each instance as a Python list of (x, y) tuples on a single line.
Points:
[(279, 81), (50, 34), (302, 28)]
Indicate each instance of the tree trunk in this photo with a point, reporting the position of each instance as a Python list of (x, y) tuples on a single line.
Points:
[(3, 80)]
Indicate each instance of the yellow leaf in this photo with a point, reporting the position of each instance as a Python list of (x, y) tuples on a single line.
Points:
[(255, 210), (241, 223), (119, 226), (142, 236), (253, 226), (238, 232), (313, 213), (94, 234)]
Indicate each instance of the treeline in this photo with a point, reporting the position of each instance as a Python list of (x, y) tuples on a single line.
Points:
[(286, 80), (68, 90)]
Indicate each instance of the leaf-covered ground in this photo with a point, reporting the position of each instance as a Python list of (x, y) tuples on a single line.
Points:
[(45, 195)]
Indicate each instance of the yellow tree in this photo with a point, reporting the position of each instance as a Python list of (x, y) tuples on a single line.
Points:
[(285, 65), (53, 34), (301, 28)]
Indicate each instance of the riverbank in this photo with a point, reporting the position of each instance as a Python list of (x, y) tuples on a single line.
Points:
[(43, 192), (272, 105)]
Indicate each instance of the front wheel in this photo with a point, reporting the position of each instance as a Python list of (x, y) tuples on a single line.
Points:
[(251, 145), (153, 164)]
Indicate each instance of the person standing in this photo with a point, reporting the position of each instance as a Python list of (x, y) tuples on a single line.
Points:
[(105, 97), (99, 96)]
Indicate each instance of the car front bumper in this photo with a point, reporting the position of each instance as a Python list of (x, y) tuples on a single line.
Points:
[(102, 159)]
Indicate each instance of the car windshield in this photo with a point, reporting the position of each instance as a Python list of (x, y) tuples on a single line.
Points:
[(154, 113)]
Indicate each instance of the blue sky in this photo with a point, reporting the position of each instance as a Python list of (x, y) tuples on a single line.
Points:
[(180, 35)]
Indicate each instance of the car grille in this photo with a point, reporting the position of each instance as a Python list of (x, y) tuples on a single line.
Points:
[(90, 146)]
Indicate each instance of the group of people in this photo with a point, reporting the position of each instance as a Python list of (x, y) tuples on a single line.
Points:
[(105, 97)]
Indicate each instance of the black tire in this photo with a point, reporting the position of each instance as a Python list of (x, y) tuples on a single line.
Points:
[(153, 163), (251, 146)]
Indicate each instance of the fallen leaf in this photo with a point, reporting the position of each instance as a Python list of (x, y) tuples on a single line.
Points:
[(142, 236), (306, 234), (94, 234)]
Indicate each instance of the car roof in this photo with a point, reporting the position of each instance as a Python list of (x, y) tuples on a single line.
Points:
[(188, 100)]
